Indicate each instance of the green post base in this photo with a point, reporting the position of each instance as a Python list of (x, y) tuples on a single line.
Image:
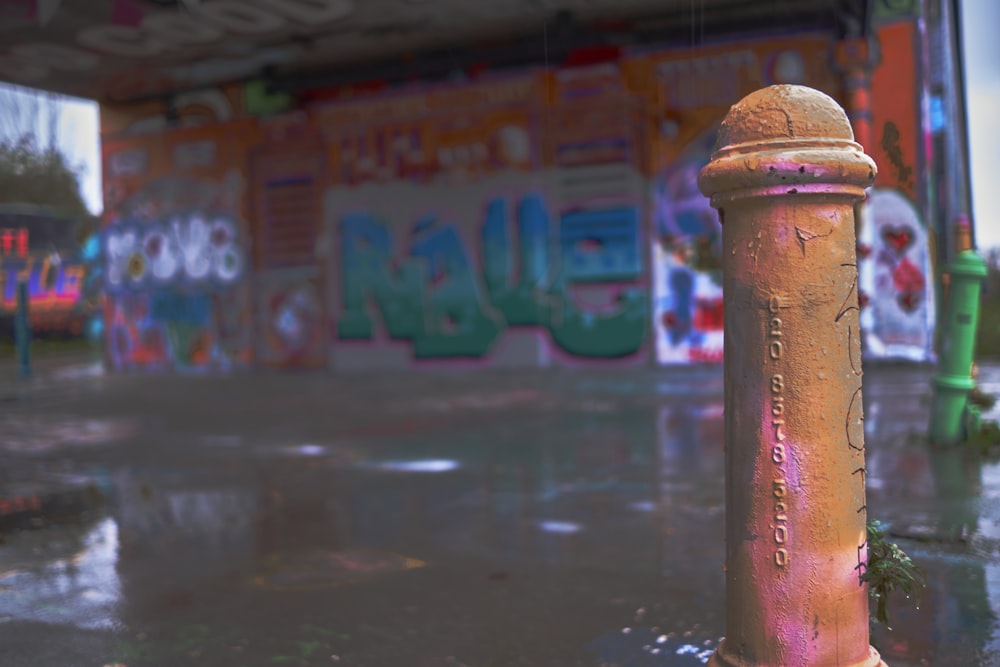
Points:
[(951, 396), (973, 420), (954, 381)]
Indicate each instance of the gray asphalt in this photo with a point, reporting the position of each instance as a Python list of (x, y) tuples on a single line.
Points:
[(505, 518)]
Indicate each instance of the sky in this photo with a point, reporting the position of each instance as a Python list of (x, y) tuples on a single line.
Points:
[(78, 131), (980, 22), (77, 135)]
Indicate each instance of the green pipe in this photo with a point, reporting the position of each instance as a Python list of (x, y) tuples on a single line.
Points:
[(953, 381)]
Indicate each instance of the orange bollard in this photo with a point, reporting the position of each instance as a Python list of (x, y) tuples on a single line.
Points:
[(785, 177)]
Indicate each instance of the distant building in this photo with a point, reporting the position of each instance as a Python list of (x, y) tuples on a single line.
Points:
[(40, 248)]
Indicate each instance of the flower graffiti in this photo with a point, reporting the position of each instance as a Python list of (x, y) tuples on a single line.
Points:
[(191, 248)]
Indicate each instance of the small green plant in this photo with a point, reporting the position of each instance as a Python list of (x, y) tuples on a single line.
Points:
[(889, 569), (986, 439), (981, 399)]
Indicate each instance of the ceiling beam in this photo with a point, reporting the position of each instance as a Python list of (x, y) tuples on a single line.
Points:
[(565, 34)]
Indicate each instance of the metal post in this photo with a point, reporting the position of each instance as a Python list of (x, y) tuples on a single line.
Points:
[(785, 178), (953, 381), (22, 330)]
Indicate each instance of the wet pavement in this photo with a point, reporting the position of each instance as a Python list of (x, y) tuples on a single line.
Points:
[(430, 520)]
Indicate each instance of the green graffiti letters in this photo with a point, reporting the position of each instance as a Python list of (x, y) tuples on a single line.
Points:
[(435, 298)]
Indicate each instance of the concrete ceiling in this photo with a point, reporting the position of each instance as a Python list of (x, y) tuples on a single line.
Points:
[(123, 50)]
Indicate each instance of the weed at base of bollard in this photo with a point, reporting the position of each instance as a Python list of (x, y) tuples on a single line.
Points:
[(981, 399), (888, 569)]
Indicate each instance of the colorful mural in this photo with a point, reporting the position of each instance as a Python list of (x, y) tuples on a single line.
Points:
[(895, 259), (687, 97), (175, 251), (291, 323), (546, 217), (54, 289), (450, 289), (466, 236), (894, 268), (687, 272)]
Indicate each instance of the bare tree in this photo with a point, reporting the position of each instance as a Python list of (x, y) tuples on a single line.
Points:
[(33, 170), (29, 113)]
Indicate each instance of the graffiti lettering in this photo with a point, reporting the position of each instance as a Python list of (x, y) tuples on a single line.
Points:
[(14, 241), (522, 304), (455, 320), (49, 283), (191, 248), (890, 143), (365, 254), (434, 298)]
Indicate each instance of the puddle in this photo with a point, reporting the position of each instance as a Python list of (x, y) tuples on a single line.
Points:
[(40, 434), (317, 570), (79, 588), (79, 371), (646, 647), (420, 466)]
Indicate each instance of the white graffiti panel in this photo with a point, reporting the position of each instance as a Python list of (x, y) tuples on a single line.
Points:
[(896, 279), (192, 249)]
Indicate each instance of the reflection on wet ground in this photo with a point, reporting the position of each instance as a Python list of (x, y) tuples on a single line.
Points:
[(495, 519)]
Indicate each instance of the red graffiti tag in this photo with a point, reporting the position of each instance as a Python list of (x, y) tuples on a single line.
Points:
[(898, 238)]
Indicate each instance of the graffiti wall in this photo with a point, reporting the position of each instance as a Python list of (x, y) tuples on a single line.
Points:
[(687, 271), (896, 275), (176, 251), (291, 324), (688, 96), (546, 217), (287, 177), (899, 318), (489, 227)]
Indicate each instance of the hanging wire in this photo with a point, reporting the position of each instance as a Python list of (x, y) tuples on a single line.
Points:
[(546, 112), (701, 44), (692, 25), (702, 38), (545, 30)]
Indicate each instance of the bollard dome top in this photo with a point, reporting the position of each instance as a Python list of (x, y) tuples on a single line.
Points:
[(784, 112), (787, 140)]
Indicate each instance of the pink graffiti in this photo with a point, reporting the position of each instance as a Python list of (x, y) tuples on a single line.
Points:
[(909, 283), (906, 277)]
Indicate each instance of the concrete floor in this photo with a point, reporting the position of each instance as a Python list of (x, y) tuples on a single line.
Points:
[(532, 518)]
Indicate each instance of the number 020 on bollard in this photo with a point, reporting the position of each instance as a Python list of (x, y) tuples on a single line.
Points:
[(785, 177)]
